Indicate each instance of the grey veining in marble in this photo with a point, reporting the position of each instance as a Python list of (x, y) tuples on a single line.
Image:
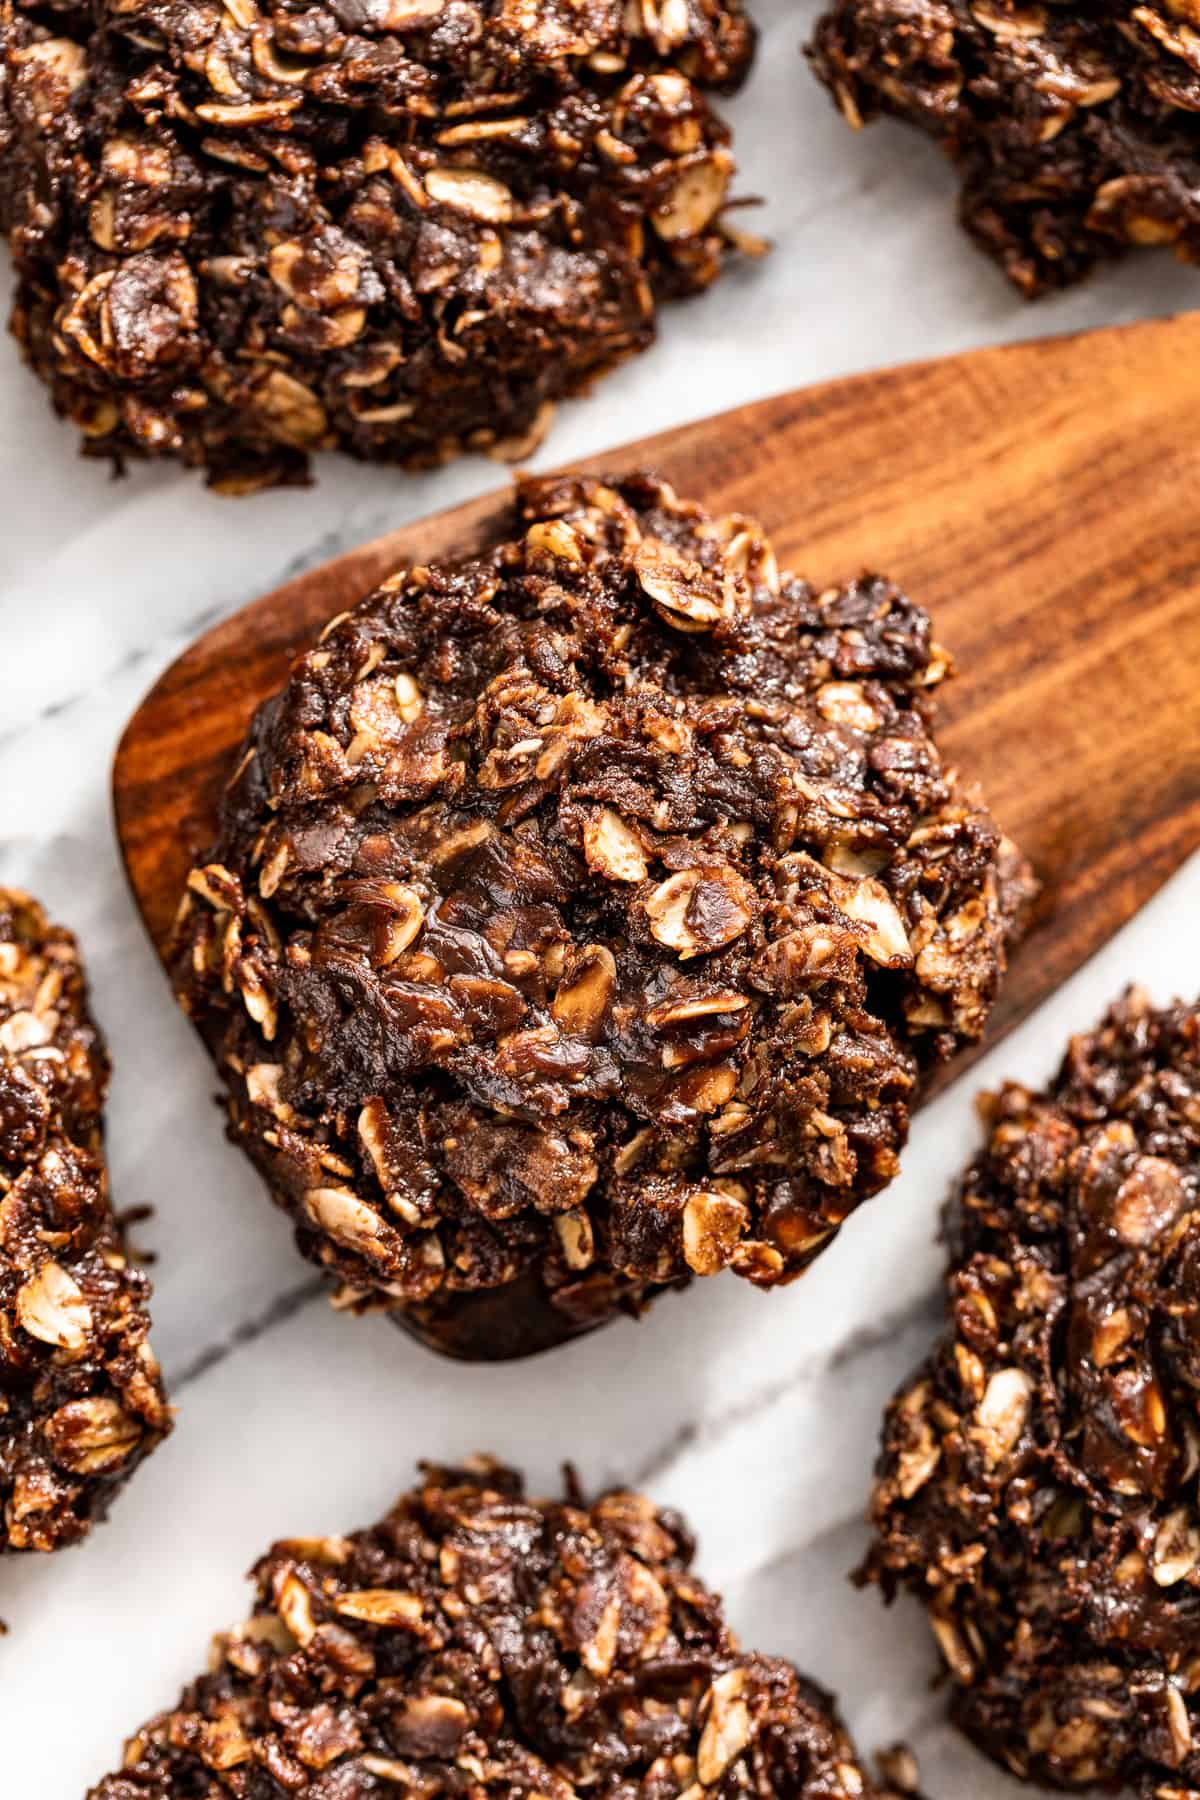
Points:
[(755, 1413)]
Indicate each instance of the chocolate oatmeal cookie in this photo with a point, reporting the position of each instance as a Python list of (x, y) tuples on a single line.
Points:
[(1074, 127), (1037, 1488), (583, 915), (477, 1642), (81, 1402), (402, 228)]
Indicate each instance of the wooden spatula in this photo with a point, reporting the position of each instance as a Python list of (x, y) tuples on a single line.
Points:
[(1042, 500)]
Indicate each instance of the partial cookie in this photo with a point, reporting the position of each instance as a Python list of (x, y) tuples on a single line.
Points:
[(399, 228), (1073, 127), (1037, 1488), (81, 1400), (478, 1642), (583, 916)]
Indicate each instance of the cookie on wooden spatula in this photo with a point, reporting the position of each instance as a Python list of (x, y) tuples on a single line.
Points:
[(1036, 499), (583, 915)]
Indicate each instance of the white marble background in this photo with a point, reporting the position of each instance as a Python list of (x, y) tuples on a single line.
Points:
[(756, 1414)]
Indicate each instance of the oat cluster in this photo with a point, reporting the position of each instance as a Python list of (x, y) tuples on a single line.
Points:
[(1074, 128), (245, 232), (81, 1402), (476, 1642), (583, 914), (1037, 1485)]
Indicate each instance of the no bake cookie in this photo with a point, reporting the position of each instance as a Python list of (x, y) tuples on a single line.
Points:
[(401, 228), (583, 915), (81, 1401), (1037, 1488), (476, 1642), (1074, 128)]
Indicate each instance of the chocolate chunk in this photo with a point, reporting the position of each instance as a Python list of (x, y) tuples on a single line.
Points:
[(81, 1402), (400, 228), (1073, 127), (1037, 1487), (583, 914), (475, 1642)]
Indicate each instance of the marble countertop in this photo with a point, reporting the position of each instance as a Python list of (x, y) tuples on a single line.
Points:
[(756, 1414)]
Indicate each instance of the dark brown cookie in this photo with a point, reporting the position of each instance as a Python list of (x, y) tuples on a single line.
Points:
[(476, 1642), (583, 914), (401, 228), (1037, 1488), (81, 1401), (1074, 128)]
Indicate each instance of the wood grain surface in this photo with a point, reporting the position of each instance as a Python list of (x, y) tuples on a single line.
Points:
[(1043, 500)]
